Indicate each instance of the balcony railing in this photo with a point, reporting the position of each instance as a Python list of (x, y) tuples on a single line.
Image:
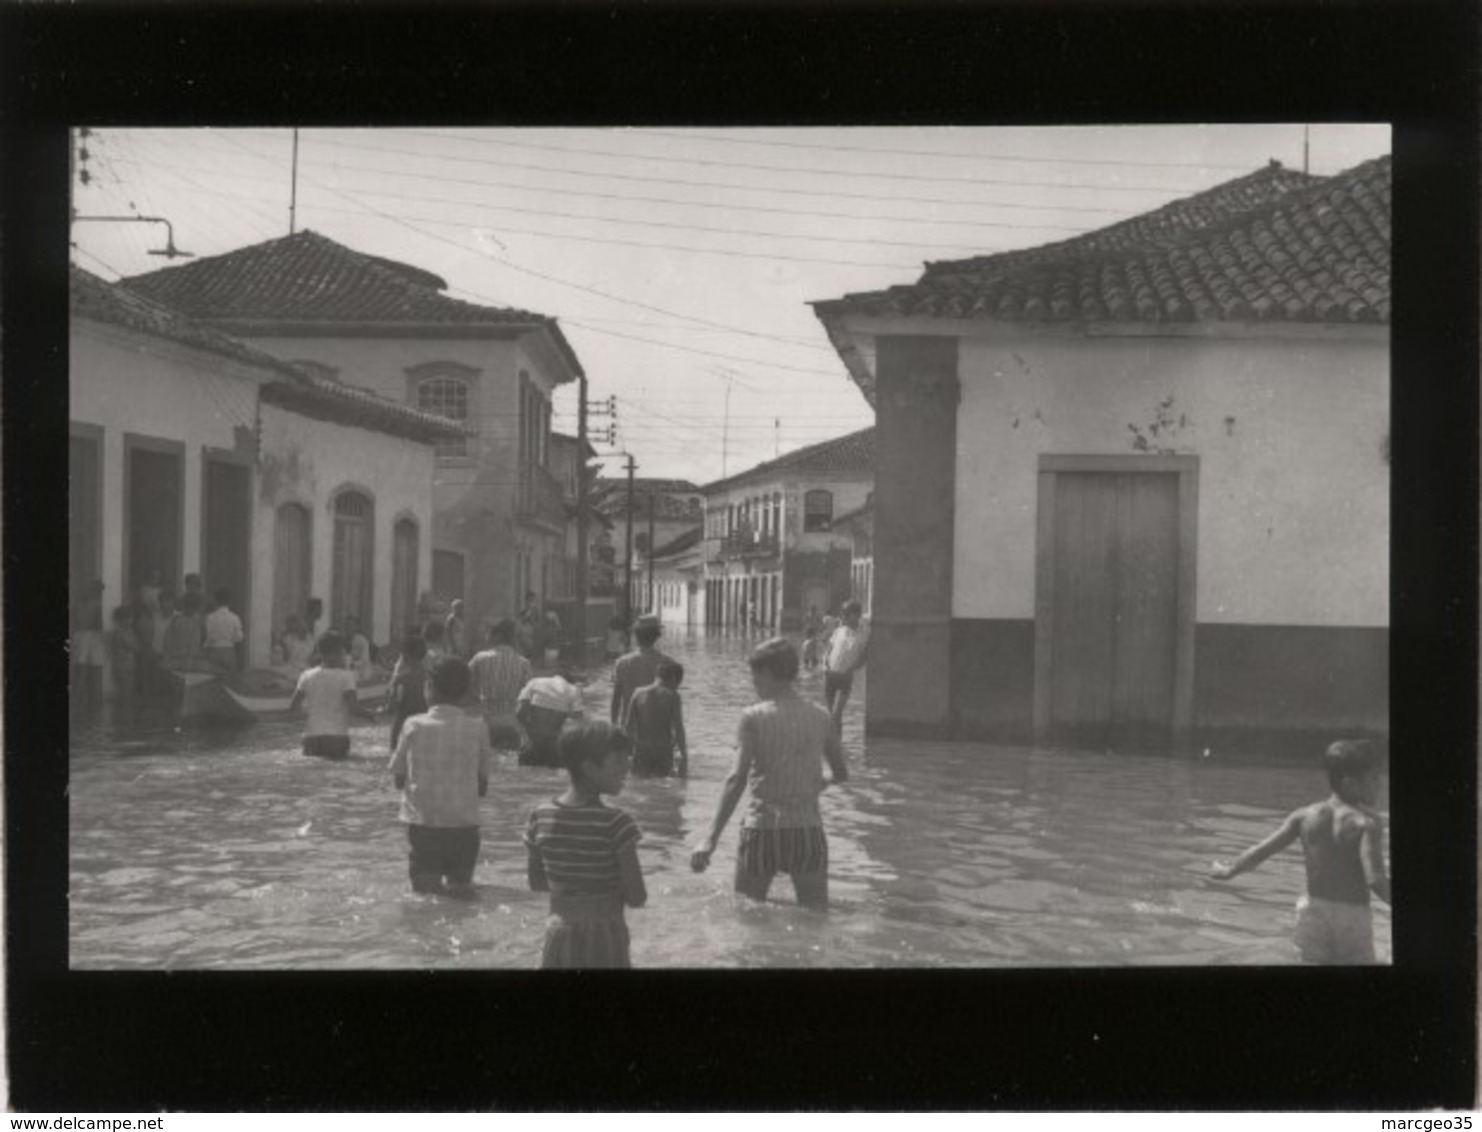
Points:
[(540, 497), (745, 544)]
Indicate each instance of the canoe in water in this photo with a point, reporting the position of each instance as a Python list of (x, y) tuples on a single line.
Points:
[(256, 692)]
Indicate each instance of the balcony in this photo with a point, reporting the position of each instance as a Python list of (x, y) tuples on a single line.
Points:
[(540, 499), (744, 544)]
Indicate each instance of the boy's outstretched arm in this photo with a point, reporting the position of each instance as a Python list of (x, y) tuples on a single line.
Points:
[(535, 870), (679, 740), (1290, 830), (730, 795), (630, 877), (1371, 848)]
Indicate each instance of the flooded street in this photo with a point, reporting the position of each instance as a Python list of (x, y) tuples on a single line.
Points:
[(229, 849)]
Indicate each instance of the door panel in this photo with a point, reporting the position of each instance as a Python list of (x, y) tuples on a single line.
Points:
[(447, 575), (291, 563), (155, 500), (225, 560), (1115, 594), (404, 578)]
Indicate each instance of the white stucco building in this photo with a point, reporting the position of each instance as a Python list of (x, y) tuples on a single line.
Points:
[(1135, 485)]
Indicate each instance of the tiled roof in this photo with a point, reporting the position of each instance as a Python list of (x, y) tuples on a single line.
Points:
[(1274, 245), (293, 388), (647, 483), (845, 455), (678, 545), (667, 508), (307, 277)]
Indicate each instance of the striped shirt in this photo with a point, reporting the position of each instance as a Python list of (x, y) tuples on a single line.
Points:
[(499, 674), (443, 753), (578, 846), (784, 741)]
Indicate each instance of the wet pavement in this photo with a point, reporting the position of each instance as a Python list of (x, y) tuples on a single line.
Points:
[(228, 849)]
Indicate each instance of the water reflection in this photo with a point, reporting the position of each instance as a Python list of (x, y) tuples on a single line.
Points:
[(229, 849)]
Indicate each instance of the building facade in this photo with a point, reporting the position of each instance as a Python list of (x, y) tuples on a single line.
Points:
[(1134, 487), (859, 526), (500, 521), (662, 511), (770, 548), (193, 453)]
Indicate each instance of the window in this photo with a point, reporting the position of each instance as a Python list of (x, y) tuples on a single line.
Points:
[(640, 542), (818, 510), (447, 397)]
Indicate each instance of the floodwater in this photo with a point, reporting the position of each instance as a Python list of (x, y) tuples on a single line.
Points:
[(229, 849)]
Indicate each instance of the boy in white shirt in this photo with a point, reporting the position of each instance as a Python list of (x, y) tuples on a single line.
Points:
[(223, 633), (328, 692), (843, 655)]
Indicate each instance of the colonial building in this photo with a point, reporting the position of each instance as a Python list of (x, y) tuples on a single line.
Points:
[(771, 551), (673, 581), (663, 510), (859, 527), (500, 520), (1136, 483), (192, 452)]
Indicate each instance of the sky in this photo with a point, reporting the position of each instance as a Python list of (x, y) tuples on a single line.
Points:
[(680, 263)]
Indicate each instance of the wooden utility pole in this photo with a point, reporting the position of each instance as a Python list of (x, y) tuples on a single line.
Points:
[(582, 565), (293, 188), (628, 554), (651, 548)]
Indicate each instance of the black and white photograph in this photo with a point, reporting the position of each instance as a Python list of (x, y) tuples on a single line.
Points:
[(729, 547)]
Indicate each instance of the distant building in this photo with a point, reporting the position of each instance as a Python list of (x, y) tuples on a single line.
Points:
[(676, 505), (1135, 485), (194, 453), (500, 521), (675, 575), (771, 550), (568, 456), (859, 526)]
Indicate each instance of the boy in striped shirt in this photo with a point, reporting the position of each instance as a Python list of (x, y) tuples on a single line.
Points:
[(783, 742), (441, 766)]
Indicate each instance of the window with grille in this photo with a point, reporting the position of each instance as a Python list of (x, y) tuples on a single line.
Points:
[(447, 397), (818, 510)]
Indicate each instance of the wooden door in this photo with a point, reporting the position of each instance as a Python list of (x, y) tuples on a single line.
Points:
[(351, 596), (403, 578), (85, 517), (447, 575), (291, 564), (225, 532), (155, 501), (1114, 638)]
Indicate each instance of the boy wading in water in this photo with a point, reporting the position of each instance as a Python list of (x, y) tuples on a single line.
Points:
[(441, 766), (1343, 843), (585, 854), (783, 742), (656, 723), (328, 691)]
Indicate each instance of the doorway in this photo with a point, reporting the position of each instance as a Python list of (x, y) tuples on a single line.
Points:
[(292, 561), (351, 591), (226, 530), (1114, 600), (404, 578), (154, 516)]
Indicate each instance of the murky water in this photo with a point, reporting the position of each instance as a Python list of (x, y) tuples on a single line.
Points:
[(229, 849)]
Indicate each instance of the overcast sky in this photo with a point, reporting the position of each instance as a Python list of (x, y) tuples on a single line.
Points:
[(679, 262)]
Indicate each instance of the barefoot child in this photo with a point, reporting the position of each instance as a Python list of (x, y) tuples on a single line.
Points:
[(1343, 843), (585, 854), (656, 723), (782, 743), (441, 766), (329, 693)]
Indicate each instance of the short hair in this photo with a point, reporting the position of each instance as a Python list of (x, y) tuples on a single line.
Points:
[(331, 641), (432, 632), (585, 741), (777, 657), (670, 671), (502, 632), (413, 647), (1349, 758), (851, 606), (646, 634), (222, 595), (449, 678)]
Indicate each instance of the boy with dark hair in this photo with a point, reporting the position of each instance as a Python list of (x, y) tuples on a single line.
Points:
[(585, 854), (1343, 846), (782, 742), (637, 669), (406, 695), (328, 690), (843, 655), (441, 766), (656, 724), (224, 637), (499, 674)]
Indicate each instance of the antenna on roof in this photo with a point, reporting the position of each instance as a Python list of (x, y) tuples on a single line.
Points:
[(1306, 141), (293, 186)]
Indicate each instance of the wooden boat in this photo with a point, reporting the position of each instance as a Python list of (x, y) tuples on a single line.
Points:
[(255, 693)]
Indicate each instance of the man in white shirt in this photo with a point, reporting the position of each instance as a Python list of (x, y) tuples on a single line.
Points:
[(224, 635), (545, 704), (844, 654)]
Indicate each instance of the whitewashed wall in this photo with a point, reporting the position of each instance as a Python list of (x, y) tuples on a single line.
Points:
[(1293, 491)]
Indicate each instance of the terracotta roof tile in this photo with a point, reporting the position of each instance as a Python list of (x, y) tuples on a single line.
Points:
[(307, 277), (845, 455), (1273, 245)]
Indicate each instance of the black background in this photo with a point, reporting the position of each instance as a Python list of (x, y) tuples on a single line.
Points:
[(1390, 1039)]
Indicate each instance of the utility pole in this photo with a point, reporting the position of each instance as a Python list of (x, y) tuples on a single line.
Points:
[(293, 188), (582, 587), (651, 548), (628, 554)]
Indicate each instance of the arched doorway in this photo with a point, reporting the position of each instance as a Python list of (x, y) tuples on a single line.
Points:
[(292, 559), (350, 596), (403, 577)]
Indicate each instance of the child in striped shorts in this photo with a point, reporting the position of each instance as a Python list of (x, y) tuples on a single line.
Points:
[(783, 742), (585, 854)]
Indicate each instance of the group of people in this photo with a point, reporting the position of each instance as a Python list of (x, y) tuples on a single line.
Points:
[(154, 634), (450, 715)]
